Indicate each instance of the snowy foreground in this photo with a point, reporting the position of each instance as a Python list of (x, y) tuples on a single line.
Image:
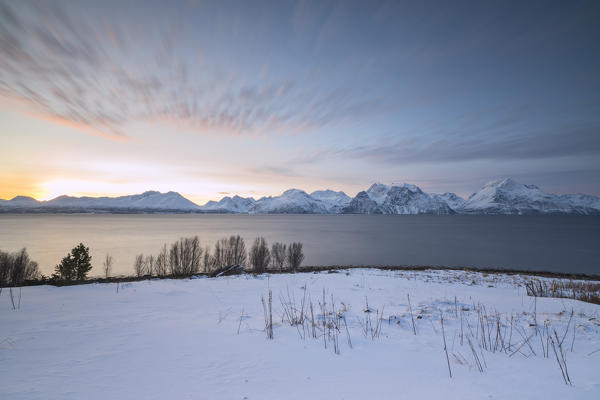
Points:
[(178, 339)]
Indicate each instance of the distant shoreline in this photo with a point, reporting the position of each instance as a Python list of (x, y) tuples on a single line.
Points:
[(46, 211)]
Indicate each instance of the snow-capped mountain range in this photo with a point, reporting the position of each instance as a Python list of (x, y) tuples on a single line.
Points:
[(503, 197), (292, 201), (150, 200)]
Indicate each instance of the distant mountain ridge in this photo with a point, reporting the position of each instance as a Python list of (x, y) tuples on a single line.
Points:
[(499, 197), (507, 196), (403, 199), (150, 200)]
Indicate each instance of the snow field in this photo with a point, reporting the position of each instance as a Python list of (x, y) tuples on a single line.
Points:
[(179, 339)]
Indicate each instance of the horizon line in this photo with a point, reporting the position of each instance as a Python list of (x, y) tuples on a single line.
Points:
[(232, 195)]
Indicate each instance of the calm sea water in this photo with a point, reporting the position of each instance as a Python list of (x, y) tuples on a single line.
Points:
[(550, 243)]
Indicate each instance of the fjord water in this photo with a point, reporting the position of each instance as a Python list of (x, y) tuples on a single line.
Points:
[(568, 244)]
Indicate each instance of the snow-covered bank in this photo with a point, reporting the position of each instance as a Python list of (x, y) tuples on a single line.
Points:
[(179, 339)]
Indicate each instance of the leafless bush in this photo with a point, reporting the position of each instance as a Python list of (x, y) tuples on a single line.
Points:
[(144, 266), (161, 264), (185, 256), (219, 257), (107, 265), (236, 251), (278, 255), (5, 267), (259, 255), (228, 252), (138, 265), (16, 267), (207, 263), (295, 256), (149, 265)]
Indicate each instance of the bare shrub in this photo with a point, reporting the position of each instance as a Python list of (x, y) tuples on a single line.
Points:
[(295, 256), (17, 267), (228, 252), (149, 267), (138, 265), (278, 255), (259, 255), (236, 251), (5, 267), (207, 260), (161, 263), (217, 261), (107, 265), (185, 256), (23, 268)]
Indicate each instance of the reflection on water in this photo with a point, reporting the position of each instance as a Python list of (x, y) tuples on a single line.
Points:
[(553, 243)]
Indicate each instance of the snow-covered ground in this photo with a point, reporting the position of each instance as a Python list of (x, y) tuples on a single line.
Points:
[(179, 339)]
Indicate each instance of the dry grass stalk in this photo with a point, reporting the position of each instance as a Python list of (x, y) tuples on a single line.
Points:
[(445, 347), (411, 315)]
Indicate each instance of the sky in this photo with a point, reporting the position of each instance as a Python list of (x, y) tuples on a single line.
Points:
[(215, 98)]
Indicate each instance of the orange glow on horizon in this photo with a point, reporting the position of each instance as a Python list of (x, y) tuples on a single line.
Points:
[(52, 188)]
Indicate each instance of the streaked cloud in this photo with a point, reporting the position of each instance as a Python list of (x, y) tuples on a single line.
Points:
[(76, 69)]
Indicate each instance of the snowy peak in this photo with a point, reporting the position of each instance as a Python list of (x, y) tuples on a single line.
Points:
[(157, 200), (397, 199), (333, 201), (292, 201), (235, 204), (378, 192), (330, 195), (507, 196), (22, 201), (150, 200), (410, 199), (504, 183), (294, 194)]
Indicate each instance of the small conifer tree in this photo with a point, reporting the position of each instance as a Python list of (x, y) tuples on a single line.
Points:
[(75, 265)]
